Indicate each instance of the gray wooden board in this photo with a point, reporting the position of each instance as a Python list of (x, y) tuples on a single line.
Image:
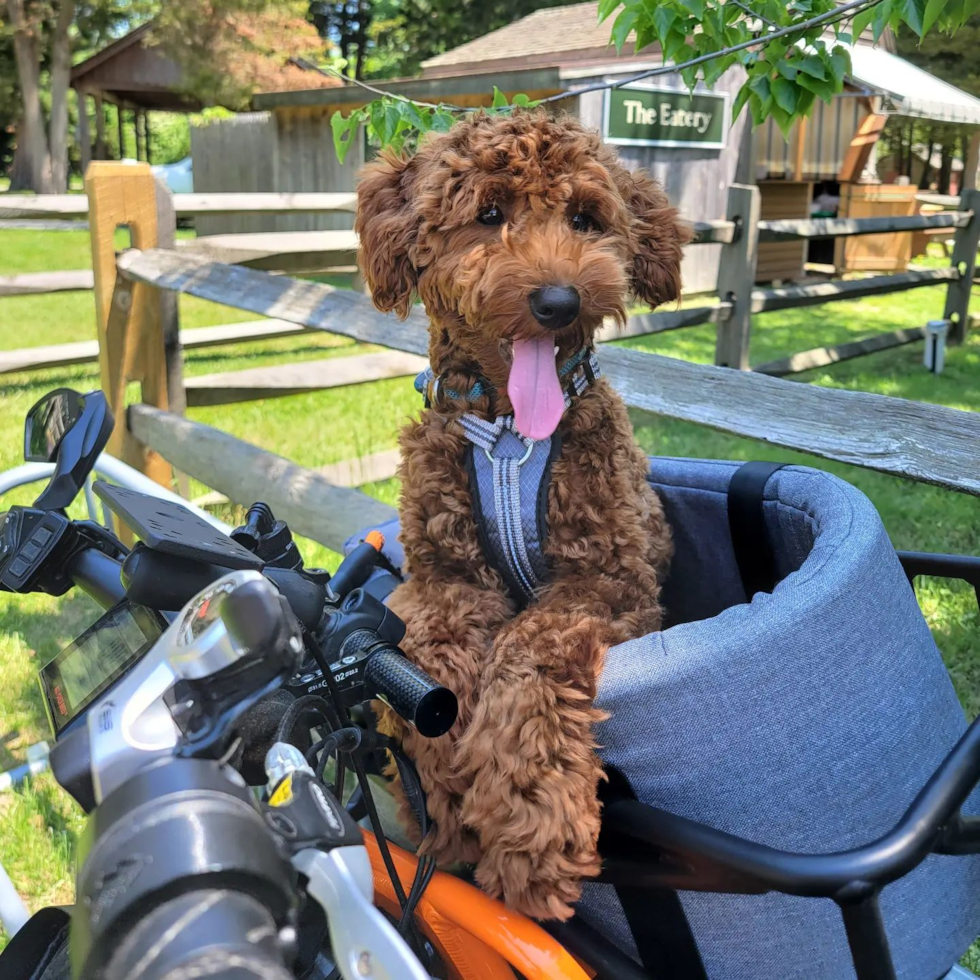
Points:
[(927, 443), (305, 500), (280, 251), (84, 351), (33, 283), (42, 224), (791, 229), (643, 324), (364, 469), (789, 297), (291, 379), (822, 356), (316, 305), (31, 206), (42, 205)]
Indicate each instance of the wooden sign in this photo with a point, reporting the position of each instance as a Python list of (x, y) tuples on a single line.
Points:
[(641, 115)]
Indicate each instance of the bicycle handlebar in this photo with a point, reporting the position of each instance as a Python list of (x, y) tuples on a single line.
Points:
[(220, 898)]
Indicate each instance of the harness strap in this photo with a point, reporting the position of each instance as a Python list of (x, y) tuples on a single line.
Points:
[(510, 491), (509, 478), (747, 523)]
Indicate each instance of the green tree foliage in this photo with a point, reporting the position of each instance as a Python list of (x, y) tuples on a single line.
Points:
[(385, 38), (956, 59), (229, 49), (793, 53)]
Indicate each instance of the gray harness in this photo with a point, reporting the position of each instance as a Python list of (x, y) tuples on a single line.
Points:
[(509, 479)]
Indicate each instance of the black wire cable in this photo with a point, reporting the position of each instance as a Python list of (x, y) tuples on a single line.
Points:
[(358, 767), (308, 704)]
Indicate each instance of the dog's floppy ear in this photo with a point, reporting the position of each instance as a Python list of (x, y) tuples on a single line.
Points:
[(659, 235), (387, 226)]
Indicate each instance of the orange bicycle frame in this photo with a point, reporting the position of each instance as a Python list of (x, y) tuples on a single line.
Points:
[(477, 937)]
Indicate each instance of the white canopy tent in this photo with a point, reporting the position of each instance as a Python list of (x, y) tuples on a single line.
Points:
[(909, 91)]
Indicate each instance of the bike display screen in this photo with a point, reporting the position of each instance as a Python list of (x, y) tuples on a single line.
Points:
[(98, 658)]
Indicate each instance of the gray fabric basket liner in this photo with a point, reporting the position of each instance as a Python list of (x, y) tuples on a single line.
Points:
[(807, 720)]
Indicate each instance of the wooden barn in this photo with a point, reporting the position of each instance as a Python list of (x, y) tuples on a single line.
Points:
[(687, 140)]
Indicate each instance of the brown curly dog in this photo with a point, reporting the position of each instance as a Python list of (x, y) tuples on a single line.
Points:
[(477, 221)]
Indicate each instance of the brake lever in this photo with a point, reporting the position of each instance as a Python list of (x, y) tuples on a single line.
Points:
[(365, 944), (327, 847)]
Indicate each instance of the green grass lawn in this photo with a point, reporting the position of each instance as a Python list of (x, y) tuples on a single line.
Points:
[(40, 824)]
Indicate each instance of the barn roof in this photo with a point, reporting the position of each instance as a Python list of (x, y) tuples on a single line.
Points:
[(538, 39), (134, 73)]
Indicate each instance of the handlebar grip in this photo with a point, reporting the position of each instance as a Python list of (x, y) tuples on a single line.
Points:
[(212, 933), (429, 706)]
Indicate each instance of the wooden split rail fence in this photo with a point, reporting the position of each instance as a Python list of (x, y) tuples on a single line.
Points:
[(139, 341), (738, 301)]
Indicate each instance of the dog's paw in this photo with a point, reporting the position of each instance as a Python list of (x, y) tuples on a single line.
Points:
[(540, 886)]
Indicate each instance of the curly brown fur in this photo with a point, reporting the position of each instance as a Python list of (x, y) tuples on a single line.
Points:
[(512, 788)]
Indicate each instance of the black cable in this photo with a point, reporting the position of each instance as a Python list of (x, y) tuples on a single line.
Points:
[(362, 777), (308, 704)]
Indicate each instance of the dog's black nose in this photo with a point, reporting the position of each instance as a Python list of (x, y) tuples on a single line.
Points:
[(555, 306)]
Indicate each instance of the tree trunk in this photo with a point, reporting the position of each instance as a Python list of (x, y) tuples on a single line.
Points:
[(32, 141), (927, 167), (360, 37), (84, 134), (20, 171), (60, 75), (946, 168), (100, 143)]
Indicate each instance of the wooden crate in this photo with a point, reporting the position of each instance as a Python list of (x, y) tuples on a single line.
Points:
[(783, 199), (875, 253)]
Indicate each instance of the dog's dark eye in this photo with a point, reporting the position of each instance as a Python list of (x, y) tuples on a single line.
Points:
[(584, 222), (491, 216)]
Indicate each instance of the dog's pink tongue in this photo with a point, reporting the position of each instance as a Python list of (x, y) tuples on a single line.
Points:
[(534, 389)]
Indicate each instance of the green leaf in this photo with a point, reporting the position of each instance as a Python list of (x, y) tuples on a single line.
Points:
[(933, 9), (410, 112), (499, 99), (784, 120), (645, 35), (442, 120), (522, 100), (840, 65), (393, 119), (378, 118), (342, 128), (606, 7), (825, 89), (861, 21), (759, 108), (690, 76), (885, 13), (759, 86), (805, 102), (787, 69), (696, 7), (784, 94), (740, 100), (913, 14), (622, 27), (675, 46), (664, 19), (812, 65), (713, 70)]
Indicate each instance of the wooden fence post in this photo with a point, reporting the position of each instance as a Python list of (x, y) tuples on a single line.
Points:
[(736, 277), (130, 323), (965, 261)]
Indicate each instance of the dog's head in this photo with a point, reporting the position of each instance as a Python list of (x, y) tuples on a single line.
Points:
[(520, 234)]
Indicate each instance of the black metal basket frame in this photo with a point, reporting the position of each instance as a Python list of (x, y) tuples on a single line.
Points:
[(650, 854)]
